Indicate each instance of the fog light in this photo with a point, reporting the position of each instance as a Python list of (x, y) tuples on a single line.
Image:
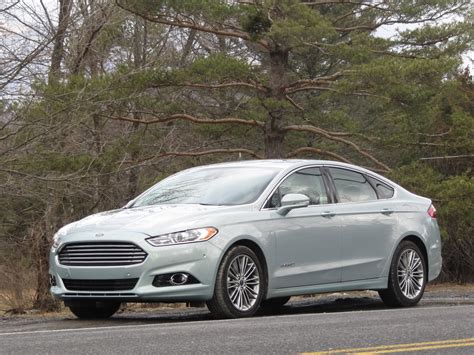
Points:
[(174, 279), (52, 280)]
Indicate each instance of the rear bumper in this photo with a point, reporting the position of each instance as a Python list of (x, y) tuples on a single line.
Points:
[(434, 252), (436, 263), (197, 259)]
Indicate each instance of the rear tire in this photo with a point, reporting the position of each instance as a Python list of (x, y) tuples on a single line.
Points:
[(94, 310), (240, 285), (274, 303), (407, 278)]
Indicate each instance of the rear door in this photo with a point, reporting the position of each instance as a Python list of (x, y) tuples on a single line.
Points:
[(367, 221)]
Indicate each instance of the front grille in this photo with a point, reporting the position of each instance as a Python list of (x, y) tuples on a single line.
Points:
[(101, 254), (100, 285)]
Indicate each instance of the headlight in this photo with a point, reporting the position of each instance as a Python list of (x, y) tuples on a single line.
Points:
[(189, 236), (56, 242)]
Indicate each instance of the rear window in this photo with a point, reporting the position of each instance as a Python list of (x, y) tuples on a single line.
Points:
[(352, 186), (383, 190)]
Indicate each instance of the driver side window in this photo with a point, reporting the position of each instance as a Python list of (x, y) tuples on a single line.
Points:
[(308, 182)]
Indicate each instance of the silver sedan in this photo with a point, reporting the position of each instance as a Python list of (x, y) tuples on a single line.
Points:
[(250, 234)]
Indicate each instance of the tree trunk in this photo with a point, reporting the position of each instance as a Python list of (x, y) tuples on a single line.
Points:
[(139, 55), (273, 139), (134, 171), (187, 47), (58, 49), (273, 134), (41, 235), (102, 179)]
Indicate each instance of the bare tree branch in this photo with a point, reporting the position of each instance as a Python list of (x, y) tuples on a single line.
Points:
[(10, 6), (448, 157), (316, 81), (194, 26), (254, 85), (180, 116), (327, 135), (294, 103)]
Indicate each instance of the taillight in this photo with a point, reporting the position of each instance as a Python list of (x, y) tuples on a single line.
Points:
[(432, 211)]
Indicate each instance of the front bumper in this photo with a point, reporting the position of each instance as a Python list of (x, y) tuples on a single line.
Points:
[(197, 259)]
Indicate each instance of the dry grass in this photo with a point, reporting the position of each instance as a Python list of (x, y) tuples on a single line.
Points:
[(450, 287), (16, 289)]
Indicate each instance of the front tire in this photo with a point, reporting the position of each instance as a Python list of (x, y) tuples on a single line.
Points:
[(94, 310), (407, 278), (240, 285)]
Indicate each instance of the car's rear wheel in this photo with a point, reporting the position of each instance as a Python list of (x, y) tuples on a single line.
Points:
[(240, 284), (94, 310), (407, 278), (274, 303)]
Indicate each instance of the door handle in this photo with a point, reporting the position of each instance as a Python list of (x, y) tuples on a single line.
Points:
[(328, 214), (386, 211)]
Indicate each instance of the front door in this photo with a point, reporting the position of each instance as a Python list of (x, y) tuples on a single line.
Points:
[(307, 240)]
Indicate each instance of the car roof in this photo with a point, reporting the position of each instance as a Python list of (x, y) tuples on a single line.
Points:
[(285, 165), (282, 164), (261, 163)]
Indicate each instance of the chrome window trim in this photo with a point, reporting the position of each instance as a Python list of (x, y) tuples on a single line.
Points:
[(395, 193)]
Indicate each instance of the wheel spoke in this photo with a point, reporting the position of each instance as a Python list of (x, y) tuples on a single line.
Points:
[(232, 283), (253, 281), (410, 259), (411, 289), (403, 262), (247, 302), (416, 282), (252, 291), (233, 271), (416, 264), (242, 265), (405, 286), (250, 270), (234, 295), (403, 282)]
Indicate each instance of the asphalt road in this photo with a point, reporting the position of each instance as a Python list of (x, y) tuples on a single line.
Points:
[(339, 325)]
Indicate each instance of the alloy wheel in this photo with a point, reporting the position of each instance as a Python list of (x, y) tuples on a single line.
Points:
[(243, 282), (410, 273)]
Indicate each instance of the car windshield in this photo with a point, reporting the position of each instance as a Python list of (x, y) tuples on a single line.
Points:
[(211, 186)]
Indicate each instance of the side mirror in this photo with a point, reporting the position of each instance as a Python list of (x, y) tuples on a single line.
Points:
[(291, 201), (129, 203)]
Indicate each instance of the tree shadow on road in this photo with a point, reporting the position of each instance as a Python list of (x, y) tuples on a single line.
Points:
[(310, 305)]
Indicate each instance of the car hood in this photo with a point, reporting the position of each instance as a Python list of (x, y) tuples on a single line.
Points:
[(150, 220)]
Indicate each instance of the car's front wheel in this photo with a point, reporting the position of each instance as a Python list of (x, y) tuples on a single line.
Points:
[(240, 284), (94, 310), (407, 278)]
